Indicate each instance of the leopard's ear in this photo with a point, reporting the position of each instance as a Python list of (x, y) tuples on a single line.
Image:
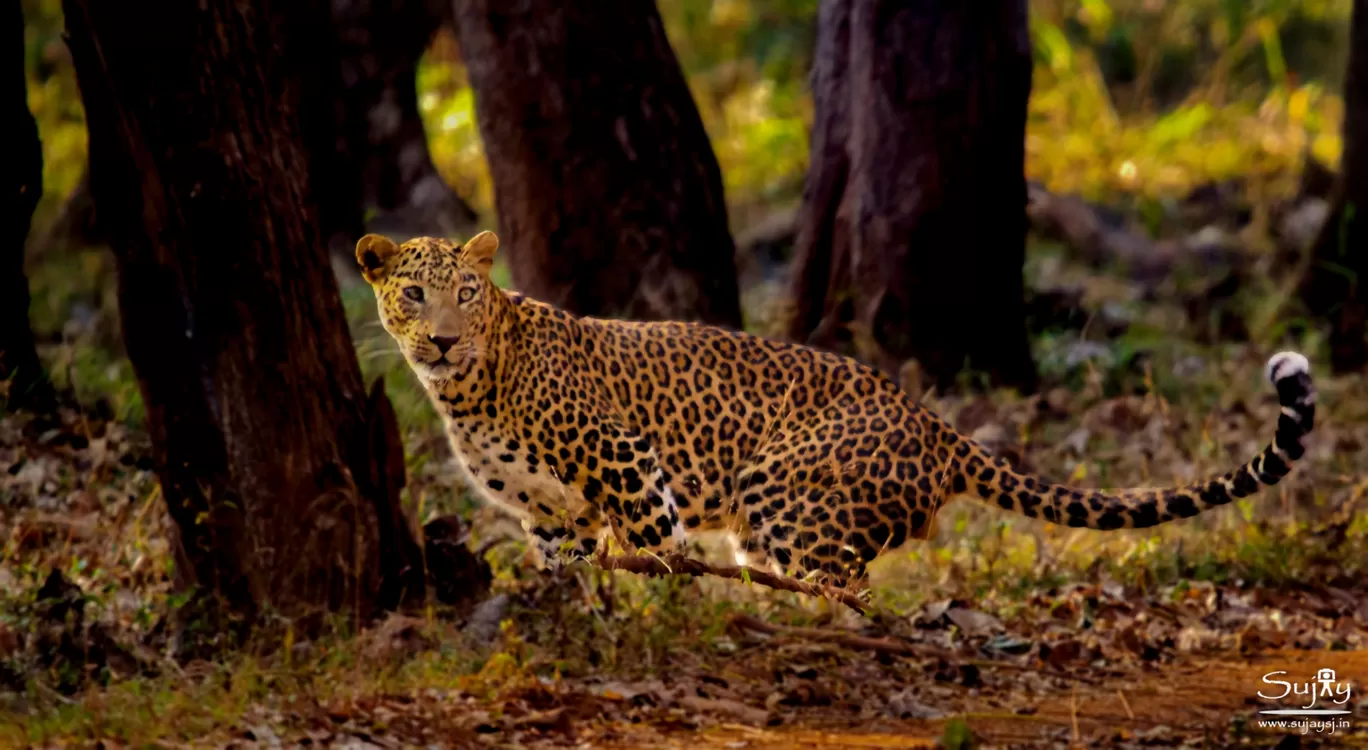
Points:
[(478, 251), (374, 253)]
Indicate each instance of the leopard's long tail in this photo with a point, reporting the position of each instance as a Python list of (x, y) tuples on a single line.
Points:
[(976, 473)]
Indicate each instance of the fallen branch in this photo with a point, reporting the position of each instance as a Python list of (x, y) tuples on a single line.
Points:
[(864, 643), (674, 565)]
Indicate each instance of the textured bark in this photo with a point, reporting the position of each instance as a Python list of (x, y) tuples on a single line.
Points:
[(208, 132), (821, 262), (380, 44), (24, 186), (75, 224), (609, 196), (912, 237), (384, 167), (1335, 287)]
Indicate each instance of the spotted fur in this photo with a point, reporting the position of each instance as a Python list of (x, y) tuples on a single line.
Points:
[(649, 431)]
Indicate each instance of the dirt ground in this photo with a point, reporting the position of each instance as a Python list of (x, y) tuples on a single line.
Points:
[(1188, 704), (1074, 644)]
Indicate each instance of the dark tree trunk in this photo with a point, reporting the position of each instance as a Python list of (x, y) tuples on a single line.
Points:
[(75, 224), (208, 132), (821, 254), (608, 194), (912, 235), (384, 167), (1336, 284), (19, 364), (380, 46)]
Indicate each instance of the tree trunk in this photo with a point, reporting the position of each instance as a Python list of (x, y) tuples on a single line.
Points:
[(209, 131), (912, 235), (19, 363), (386, 169), (380, 46), (608, 194), (75, 224), (1335, 287)]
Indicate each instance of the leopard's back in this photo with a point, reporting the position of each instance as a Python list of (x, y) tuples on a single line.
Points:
[(712, 401)]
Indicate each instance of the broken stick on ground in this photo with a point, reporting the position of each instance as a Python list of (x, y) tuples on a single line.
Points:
[(678, 565)]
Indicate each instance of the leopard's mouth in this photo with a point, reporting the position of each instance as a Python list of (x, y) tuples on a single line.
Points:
[(453, 364), (440, 360), (443, 369)]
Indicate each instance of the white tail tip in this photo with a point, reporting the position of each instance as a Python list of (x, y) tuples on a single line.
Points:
[(1285, 365)]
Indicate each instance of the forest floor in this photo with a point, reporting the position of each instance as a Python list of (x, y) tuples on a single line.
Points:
[(1161, 640), (1005, 630)]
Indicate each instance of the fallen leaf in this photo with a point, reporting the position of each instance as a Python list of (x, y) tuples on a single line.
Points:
[(1061, 653), (974, 622), (736, 709), (1007, 644), (905, 705), (555, 719)]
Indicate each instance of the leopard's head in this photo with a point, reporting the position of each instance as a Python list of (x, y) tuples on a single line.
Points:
[(435, 299)]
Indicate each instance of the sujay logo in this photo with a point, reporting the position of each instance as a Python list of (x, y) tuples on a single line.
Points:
[(1323, 696)]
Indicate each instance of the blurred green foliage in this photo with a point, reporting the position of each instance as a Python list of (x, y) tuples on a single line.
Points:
[(55, 101), (1146, 97), (1154, 97)]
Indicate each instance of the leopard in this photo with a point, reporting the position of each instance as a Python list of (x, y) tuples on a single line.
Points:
[(650, 432)]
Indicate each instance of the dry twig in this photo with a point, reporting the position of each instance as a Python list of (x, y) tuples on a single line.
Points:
[(676, 565)]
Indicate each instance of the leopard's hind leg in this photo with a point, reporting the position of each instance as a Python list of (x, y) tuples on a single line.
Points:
[(827, 498), (794, 513)]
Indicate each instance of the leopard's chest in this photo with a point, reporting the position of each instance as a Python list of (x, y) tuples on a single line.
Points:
[(498, 469)]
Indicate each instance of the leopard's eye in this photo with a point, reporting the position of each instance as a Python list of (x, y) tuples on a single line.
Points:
[(414, 293), (465, 295)]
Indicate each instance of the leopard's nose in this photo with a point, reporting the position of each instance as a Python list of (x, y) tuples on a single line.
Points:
[(443, 343)]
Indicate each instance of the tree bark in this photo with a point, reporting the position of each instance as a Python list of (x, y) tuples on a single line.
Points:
[(75, 224), (19, 363), (380, 46), (1335, 286), (208, 132), (385, 167), (912, 235), (609, 196)]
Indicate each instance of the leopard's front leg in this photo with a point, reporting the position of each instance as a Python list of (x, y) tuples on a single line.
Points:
[(562, 535), (632, 489), (649, 519)]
